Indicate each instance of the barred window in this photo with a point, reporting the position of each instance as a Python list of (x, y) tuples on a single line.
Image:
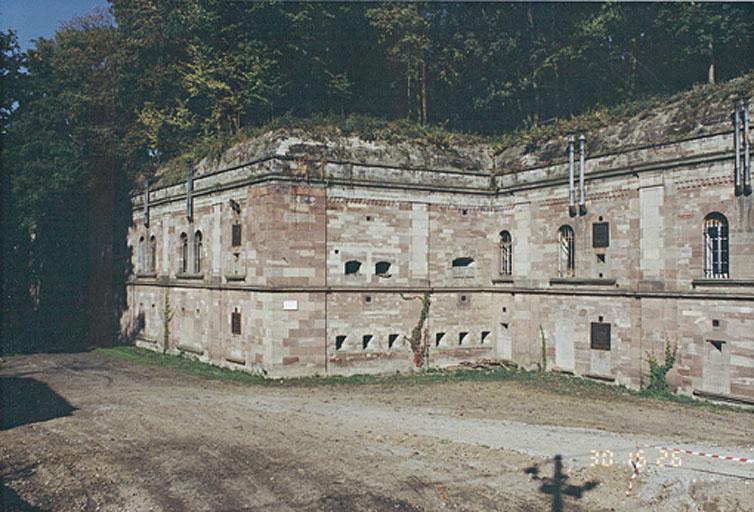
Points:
[(716, 246), (566, 251), (141, 254), (236, 235), (184, 253), (506, 254), (152, 254), (235, 322), (198, 252)]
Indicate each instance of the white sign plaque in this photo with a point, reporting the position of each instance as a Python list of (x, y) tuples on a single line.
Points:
[(290, 305)]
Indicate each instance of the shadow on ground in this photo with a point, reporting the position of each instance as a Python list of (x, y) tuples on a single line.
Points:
[(24, 400), (10, 500), (557, 487)]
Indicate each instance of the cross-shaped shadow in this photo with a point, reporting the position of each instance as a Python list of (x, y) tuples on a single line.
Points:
[(557, 486)]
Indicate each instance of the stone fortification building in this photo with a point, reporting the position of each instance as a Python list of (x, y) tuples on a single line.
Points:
[(300, 253)]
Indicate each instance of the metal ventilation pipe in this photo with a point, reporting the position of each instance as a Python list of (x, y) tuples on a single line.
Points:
[(190, 192), (737, 144), (571, 185), (146, 202), (582, 165), (747, 157)]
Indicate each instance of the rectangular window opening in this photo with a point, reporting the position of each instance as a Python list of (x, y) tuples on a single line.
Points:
[(339, 341), (366, 340), (485, 335), (235, 322), (462, 337), (600, 234), (438, 338), (600, 336), (391, 340), (236, 235)]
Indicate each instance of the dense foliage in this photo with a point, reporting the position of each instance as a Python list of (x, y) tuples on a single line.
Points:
[(118, 93)]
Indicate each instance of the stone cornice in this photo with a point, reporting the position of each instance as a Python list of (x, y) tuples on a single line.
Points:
[(581, 290)]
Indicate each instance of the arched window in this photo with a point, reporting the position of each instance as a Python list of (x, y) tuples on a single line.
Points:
[(716, 246), (198, 252), (566, 251), (506, 254), (141, 254), (152, 254), (184, 253)]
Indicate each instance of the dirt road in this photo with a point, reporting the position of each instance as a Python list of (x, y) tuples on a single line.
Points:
[(90, 432)]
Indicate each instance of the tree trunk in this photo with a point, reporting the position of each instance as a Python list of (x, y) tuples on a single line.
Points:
[(424, 93), (408, 90), (711, 69)]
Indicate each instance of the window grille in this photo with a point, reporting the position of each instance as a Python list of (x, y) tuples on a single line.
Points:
[(600, 234), (600, 336), (506, 254), (235, 322), (567, 253), (716, 246), (198, 252)]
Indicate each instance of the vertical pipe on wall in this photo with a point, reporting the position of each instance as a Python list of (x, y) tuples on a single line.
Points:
[(582, 165), (146, 202), (747, 156), (571, 185), (190, 192), (737, 145)]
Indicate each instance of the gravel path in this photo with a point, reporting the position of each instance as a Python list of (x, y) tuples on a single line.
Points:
[(96, 433)]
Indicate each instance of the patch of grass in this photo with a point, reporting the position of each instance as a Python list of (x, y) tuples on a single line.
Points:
[(543, 381)]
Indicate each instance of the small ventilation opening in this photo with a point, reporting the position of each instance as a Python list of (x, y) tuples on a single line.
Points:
[(391, 340), (718, 344), (464, 211), (367, 299), (438, 338), (352, 267), (339, 341), (369, 218), (505, 310), (366, 340), (601, 258), (382, 269), (462, 337), (485, 335), (463, 300), (715, 323), (463, 261)]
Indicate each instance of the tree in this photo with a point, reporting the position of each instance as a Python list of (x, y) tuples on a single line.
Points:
[(57, 138)]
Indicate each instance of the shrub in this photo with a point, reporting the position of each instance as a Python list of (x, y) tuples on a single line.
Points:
[(657, 384)]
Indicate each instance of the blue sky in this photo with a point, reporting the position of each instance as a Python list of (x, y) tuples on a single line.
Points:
[(41, 18)]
